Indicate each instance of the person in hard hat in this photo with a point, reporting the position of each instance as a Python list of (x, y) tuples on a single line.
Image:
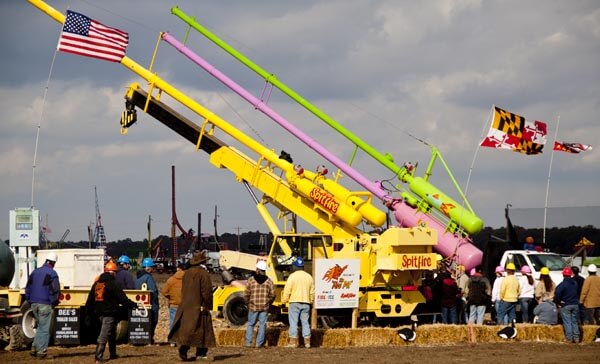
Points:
[(145, 279), (499, 271), (567, 299), (508, 295), (193, 320), (172, 292), (526, 295), (105, 301), (259, 295), (42, 291), (124, 277), (545, 285), (299, 292), (579, 279), (590, 296)]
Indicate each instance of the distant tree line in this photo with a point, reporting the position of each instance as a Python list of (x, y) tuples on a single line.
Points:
[(559, 240)]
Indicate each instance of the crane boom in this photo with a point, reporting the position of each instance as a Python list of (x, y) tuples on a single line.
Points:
[(460, 217), (261, 175)]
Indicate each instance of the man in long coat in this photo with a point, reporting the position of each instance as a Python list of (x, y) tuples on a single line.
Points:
[(193, 321)]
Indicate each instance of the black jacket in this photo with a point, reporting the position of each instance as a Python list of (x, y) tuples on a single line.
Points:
[(107, 296)]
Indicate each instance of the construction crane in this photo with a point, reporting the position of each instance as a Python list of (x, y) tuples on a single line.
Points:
[(99, 236)]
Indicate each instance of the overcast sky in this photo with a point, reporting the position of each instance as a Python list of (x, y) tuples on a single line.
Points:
[(386, 70)]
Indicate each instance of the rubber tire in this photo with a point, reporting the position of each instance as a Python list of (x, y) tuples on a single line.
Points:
[(235, 310), (26, 328)]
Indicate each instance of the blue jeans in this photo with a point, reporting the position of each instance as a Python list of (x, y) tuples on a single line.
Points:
[(506, 312), (300, 311), (499, 319), (253, 316), (526, 306), (570, 315), (476, 314), (43, 317), (172, 312), (449, 315)]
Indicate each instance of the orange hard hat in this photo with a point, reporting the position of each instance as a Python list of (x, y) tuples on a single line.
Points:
[(529, 239), (110, 267)]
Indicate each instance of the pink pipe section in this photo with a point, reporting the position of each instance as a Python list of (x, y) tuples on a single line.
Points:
[(468, 254)]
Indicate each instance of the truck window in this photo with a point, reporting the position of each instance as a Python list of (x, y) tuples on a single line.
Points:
[(553, 261), (519, 261)]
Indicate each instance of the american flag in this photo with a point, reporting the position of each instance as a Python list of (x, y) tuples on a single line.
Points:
[(574, 148), (86, 37)]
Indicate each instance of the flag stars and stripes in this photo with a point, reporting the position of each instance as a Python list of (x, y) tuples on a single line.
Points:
[(84, 36)]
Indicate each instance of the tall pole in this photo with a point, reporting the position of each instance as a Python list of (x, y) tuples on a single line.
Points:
[(199, 239), (173, 218), (548, 182), (150, 235)]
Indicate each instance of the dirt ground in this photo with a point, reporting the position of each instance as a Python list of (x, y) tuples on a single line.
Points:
[(489, 353), (500, 353)]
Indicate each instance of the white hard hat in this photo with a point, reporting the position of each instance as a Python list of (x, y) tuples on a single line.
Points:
[(52, 257), (592, 268), (261, 264)]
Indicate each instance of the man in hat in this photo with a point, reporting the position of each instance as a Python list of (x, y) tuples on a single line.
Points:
[(42, 291), (193, 321), (508, 295), (590, 296), (259, 295), (299, 291), (567, 299), (105, 300), (123, 276)]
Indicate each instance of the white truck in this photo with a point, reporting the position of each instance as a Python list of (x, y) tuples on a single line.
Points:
[(536, 260), (77, 270)]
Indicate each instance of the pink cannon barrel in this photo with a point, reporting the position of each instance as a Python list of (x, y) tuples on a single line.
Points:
[(448, 244)]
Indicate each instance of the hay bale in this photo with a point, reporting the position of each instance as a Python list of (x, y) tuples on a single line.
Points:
[(436, 334)]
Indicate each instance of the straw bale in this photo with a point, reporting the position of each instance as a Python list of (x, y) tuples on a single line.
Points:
[(427, 335)]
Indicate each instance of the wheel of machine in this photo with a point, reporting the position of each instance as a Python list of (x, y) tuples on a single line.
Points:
[(235, 310), (27, 327)]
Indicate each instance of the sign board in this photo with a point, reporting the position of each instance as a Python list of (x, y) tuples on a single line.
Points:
[(66, 326), (139, 327), (336, 283), (24, 227)]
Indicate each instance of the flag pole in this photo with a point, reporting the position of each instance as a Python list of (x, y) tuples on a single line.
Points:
[(548, 181), (490, 115)]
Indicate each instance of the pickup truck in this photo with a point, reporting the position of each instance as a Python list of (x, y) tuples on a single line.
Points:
[(536, 260)]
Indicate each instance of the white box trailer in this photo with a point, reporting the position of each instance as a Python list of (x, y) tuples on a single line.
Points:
[(76, 268)]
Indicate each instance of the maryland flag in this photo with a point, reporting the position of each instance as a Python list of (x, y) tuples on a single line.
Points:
[(574, 148), (512, 131)]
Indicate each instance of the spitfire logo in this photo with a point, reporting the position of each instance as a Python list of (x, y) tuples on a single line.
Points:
[(324, 199), (334, 275)]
